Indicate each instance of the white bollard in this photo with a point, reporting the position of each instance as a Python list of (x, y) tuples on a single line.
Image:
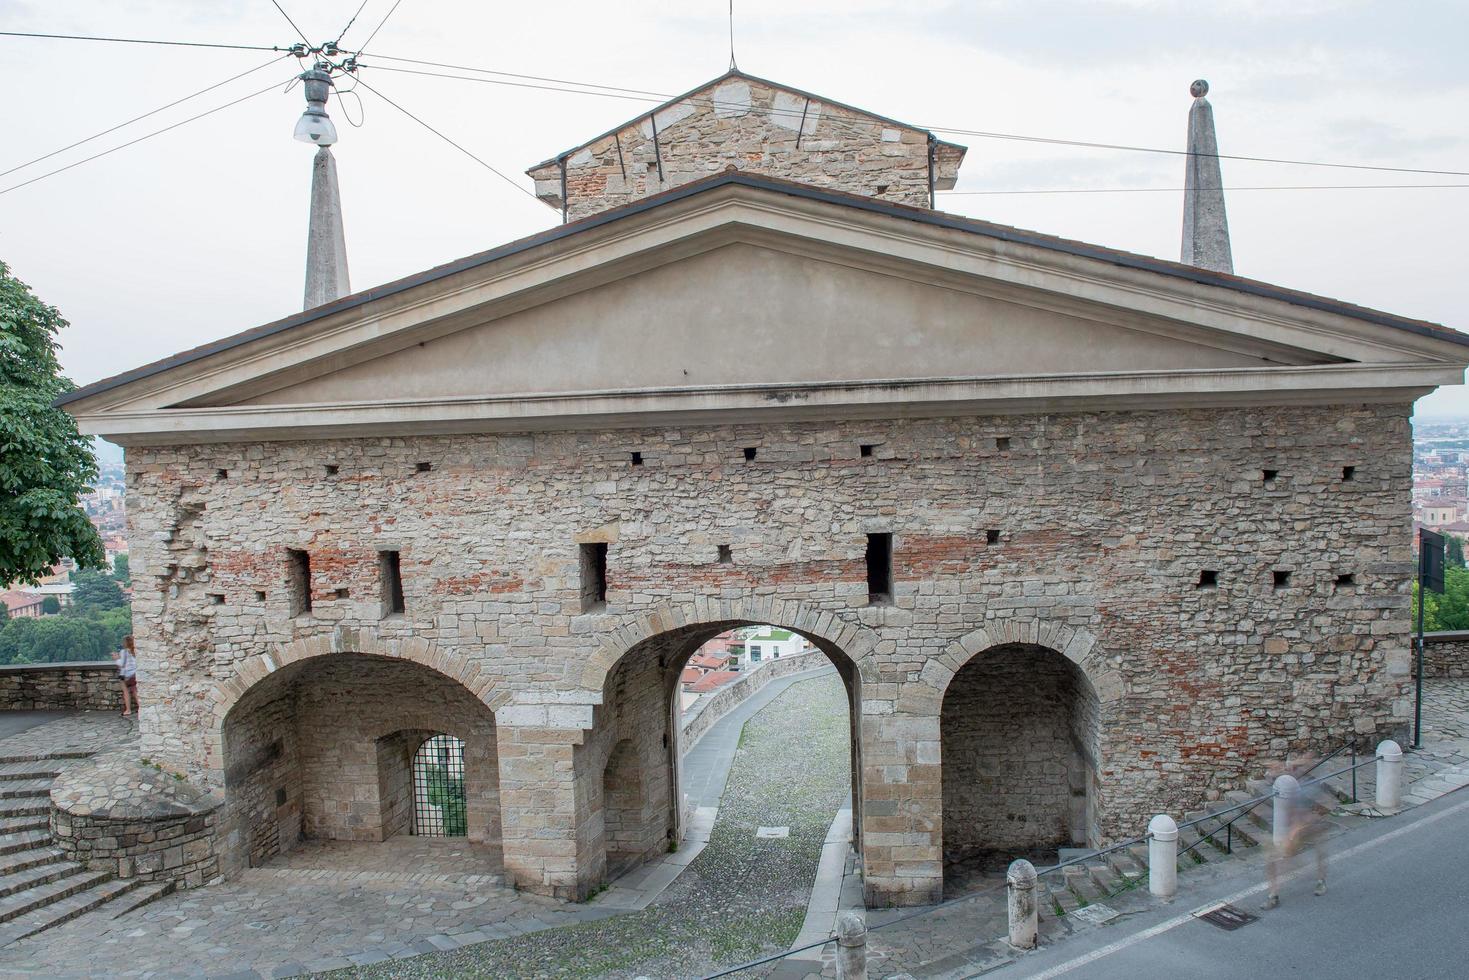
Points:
[(1389, 776), (1163, 856), (851, 947), (1287, 789), (1022, 883)]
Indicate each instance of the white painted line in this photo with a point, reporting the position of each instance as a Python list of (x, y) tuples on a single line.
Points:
[(1187, 917)]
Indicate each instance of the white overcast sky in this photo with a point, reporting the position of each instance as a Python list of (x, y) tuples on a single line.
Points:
[(200, 232)]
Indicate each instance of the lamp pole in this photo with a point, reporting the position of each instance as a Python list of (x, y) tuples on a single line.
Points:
[(326, 241)]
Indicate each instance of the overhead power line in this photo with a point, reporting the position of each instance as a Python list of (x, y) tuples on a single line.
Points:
[(153, 112), (611, 91), (141, 40), (1180, 190), (380, 24), (291, 22), (343, 33), (448, 140), (157, 132)]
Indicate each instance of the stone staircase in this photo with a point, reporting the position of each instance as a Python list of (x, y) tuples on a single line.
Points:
[(39, 888), (1093, 881)]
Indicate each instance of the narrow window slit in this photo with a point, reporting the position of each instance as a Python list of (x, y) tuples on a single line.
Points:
[(726, 556), (1208, 579), (992, 536), (750, 453), (1348, 473), (390, 575), (637, 459), (298, 577), (879, 568), (593, 576)]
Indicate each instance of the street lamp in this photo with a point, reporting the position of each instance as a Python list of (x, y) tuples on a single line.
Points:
[(315, 126)]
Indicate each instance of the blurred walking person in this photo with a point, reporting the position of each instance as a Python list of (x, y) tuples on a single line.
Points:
[(1306, 828)]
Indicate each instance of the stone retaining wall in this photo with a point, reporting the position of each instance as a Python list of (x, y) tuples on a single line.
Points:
[(1446, 654), (706, 711), (90, 686), (115, 812)]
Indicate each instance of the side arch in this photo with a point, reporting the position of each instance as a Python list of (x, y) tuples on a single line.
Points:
[(1074, 643), (483, 684)]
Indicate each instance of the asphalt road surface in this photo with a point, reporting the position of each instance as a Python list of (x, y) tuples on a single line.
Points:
[(1397, 907)]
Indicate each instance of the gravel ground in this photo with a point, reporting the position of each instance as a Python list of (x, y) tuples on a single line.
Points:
[(741, 898)]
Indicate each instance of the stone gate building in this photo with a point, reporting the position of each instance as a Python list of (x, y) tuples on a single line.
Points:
[(1087, 534)]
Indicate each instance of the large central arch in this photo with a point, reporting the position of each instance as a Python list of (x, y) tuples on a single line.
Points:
[(634, 799)]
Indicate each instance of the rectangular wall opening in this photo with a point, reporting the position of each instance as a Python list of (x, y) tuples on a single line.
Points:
[(750, 454), (298, 580), (593, 576), (992, 536), (864, 449), (637, 459), (1348, 473), (726, 556), (1282, 578), (1208, 579), (879, 568), (390, 573)]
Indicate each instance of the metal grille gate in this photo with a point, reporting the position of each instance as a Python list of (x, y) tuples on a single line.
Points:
[(439, 808)]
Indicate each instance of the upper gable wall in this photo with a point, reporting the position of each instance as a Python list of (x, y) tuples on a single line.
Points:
[(699, 322), (755, 127)]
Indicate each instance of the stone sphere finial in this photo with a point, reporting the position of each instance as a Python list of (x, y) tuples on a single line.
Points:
[(1199, 88)]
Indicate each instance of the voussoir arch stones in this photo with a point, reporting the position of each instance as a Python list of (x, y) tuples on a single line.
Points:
[(852, 638), (251, 671), (1075, 644)]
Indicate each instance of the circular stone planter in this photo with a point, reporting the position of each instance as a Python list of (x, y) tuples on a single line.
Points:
[(114, 813)]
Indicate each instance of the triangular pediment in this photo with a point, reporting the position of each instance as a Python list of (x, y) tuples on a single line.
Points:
[(744, 315), (744, 298)]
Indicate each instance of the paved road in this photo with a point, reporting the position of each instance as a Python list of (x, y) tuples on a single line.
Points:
[(1396, 907)]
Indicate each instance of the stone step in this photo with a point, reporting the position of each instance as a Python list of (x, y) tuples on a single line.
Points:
[(1125, 865), (1109, 882), (1226, 840), (1194, 850), (17, 905), (140, 896), (29, 858), (29, 770), (24, 840), (25, 806), (16, 825), (45, 757), (1081, 885), (14, 788), (1059, 895), (66, 909), (30, 878), (1261, 816)]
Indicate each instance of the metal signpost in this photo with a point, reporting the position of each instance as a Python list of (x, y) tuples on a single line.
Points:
[(1430, 579)]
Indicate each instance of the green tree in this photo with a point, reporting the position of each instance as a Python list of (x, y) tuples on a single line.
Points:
[(50, 605), (45, 464), (120, 570), (1449, 611), (53, 639), (1455, 556), (96, 591)]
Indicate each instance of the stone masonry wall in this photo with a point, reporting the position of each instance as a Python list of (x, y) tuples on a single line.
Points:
[(1096, 528), (60, 687), (1446, 654), (745, 123)]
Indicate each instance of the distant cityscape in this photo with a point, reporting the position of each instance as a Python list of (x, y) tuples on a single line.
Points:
[(1441, 477)]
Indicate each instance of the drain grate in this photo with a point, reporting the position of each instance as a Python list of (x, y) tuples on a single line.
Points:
[(1228, 917)]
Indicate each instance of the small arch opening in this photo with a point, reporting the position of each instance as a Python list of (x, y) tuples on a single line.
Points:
[(440, 806)]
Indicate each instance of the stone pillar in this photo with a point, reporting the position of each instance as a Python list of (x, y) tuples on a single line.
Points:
[(1163, 856), (1287, 789), (1205, 227), (903, 807), (851, 947), (552, 840), (1389, 776), (1021, 883), (326, 242)]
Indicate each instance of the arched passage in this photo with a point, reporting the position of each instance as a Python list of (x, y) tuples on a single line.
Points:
[(324, 749), (636, 804), (1020, 746)]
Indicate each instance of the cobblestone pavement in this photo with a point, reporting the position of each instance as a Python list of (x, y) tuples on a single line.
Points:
[(741, 898), (445, 857)]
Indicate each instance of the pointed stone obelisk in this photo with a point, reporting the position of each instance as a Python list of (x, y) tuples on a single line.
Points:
[(326, 241), (1205, 228)]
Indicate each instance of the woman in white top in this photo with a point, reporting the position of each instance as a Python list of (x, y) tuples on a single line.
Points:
[(127, 673)]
